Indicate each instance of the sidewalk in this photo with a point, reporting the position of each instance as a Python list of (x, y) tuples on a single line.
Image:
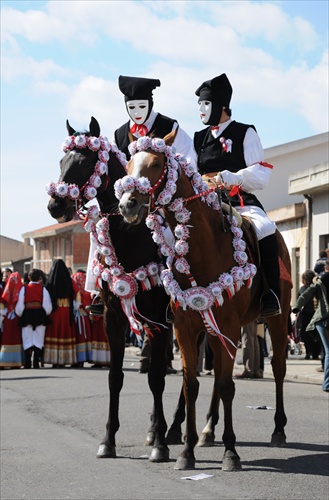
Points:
[(298, 368)]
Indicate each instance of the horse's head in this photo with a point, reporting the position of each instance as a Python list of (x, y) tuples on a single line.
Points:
[(84, 172), (146, 169)]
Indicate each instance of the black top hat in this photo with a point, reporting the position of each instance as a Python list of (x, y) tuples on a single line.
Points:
[(218, 89), (137, 88)]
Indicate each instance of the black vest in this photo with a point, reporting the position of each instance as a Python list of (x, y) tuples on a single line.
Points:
[(212, 157), (162, 126)]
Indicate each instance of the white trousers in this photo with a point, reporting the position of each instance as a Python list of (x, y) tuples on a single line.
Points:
[(262, 224), (32, 337)]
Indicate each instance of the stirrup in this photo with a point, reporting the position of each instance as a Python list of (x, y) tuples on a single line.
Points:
[(270, 304)]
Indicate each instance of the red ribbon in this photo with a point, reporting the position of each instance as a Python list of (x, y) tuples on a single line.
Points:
[(236, 190), (141, 129)]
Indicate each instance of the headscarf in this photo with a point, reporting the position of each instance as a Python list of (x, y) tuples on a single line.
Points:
[(59, 284), (11, 291)]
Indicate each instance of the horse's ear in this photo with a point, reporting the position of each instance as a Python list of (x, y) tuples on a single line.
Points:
[(94, 127), (169, 138), (70, 130)]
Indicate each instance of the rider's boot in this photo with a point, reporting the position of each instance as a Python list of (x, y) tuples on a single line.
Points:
[(270, 265), (96, 308)]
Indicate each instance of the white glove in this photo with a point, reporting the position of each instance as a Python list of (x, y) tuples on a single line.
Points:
[(229, 178)]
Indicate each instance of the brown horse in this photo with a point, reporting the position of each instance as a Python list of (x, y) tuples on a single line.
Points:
[(207, 268)]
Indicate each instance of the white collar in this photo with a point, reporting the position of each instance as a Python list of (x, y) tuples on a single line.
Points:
[(149, 122), (222, 127)]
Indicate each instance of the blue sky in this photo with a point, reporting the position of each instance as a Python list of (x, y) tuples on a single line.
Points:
[(62, 60)]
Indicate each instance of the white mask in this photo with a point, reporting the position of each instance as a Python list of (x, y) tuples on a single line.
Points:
[(138, 110), (205, 108)]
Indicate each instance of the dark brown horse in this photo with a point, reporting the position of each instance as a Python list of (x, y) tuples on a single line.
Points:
[(90, 168), (212, 281)]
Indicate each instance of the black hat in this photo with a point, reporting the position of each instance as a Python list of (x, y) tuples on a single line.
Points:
[(218, 90), (137, 88)]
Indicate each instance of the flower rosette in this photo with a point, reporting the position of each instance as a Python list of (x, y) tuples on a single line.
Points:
[(80, 141), (143, 143), (199, 299), (101, 168), (237, 232), (227, 283), (182, 160), (172, 175), (189, 169), (107, 250), (98, 269), (158, 145), (116, 270), (94, 143), (143, 185), (177, 205), (118, 189), (61, 189), (90, 193), (93, 212), (239, 244), (110, 260), (183, 216), (173, 288), (212, 198), (166, 250), (73, 191), (154, 222), (106, 275), (166, 277), (182, 266), (250, 271), (152, 270), (102, 225), (158, 236), (95, 181), (171, 187), (50, 188), (164, 197), (181, 232), (238, 276), (128, 184), (124, 286), (68, 144), (181, 247), (140, 273), (217, 292), (132, 147), (103, 156), (180, 300), (240, 257)]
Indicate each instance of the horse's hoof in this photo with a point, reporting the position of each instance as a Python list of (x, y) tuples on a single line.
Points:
[(278, 440), (174, 437), (206, 439), (185, 463), (231, 461), (149, 440), (106, 451), (159, 454)]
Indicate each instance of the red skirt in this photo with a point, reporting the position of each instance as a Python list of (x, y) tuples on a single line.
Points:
[(60, 344), (11, 354)]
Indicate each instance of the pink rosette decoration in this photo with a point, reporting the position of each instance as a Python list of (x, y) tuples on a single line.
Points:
[(181, 232), (173, 288), (116, 270), (171, 187), (240, 257), (61, 189), (217, 292), (90, 192), (144, 143), (143, 185), (153, 222), (128, 184), (197, 179), (182, 160), (250, 271), (105, 144), (110, 260), (164, 197), (118, 189), (93, 212), (102, 225), (181, 247), (212, 198), (132, 148), (234, 221), (172, 175), (103, 156), (238, 276), (51, 188), (80, 141), (68, 144), (124, 287), (152, 270), (141, 275), (199, 299), (166, 277), (180, 301), (106, 275), (238, 233), (73, 192), (106, 250), (122, 158), (177, 205), (158, 237), (166, 250), (183, 216), (95, 181), (226, 282), (94, 143), (189, 169), (101, 168), (239, 244), (182, 266), (103, 237), (158, 145), (98, 269)]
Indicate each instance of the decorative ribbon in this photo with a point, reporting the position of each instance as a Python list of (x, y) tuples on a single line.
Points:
[(141, 129)]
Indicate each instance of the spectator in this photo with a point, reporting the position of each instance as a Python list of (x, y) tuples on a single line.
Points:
[(319, 267), (33, 307), (11, 355), (82, 325), (320, 319), (100, 351), (60, 349)]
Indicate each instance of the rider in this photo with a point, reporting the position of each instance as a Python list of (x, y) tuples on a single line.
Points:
[(234, 150), (143, 119)]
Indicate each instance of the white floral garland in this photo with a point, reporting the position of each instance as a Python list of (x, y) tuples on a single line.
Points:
[(198, 298), (100, 144)]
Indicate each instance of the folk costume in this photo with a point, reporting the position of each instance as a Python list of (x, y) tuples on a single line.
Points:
[(234, 150), (11, 354), (82, 325), (60, 345), (33, 306), (146, 122)]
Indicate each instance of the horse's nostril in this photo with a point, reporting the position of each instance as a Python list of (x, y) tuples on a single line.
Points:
[(132, 203)]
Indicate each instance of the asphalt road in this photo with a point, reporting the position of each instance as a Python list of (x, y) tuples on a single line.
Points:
[(53, 420)]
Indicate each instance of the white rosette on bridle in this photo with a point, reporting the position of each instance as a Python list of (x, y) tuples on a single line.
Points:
[(238, 277), (141, 275)]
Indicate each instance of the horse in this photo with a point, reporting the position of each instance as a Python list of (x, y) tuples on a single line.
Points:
[(213, 277), (126, 264)]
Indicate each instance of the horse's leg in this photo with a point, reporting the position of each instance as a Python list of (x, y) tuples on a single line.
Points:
[(174, 435), (207, 437), (187, 342), (278, 327), (225, 387), (116, 338), (156, 380)]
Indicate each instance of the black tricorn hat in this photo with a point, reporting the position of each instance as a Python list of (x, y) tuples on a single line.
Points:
[(137, 88), (218, 89)]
